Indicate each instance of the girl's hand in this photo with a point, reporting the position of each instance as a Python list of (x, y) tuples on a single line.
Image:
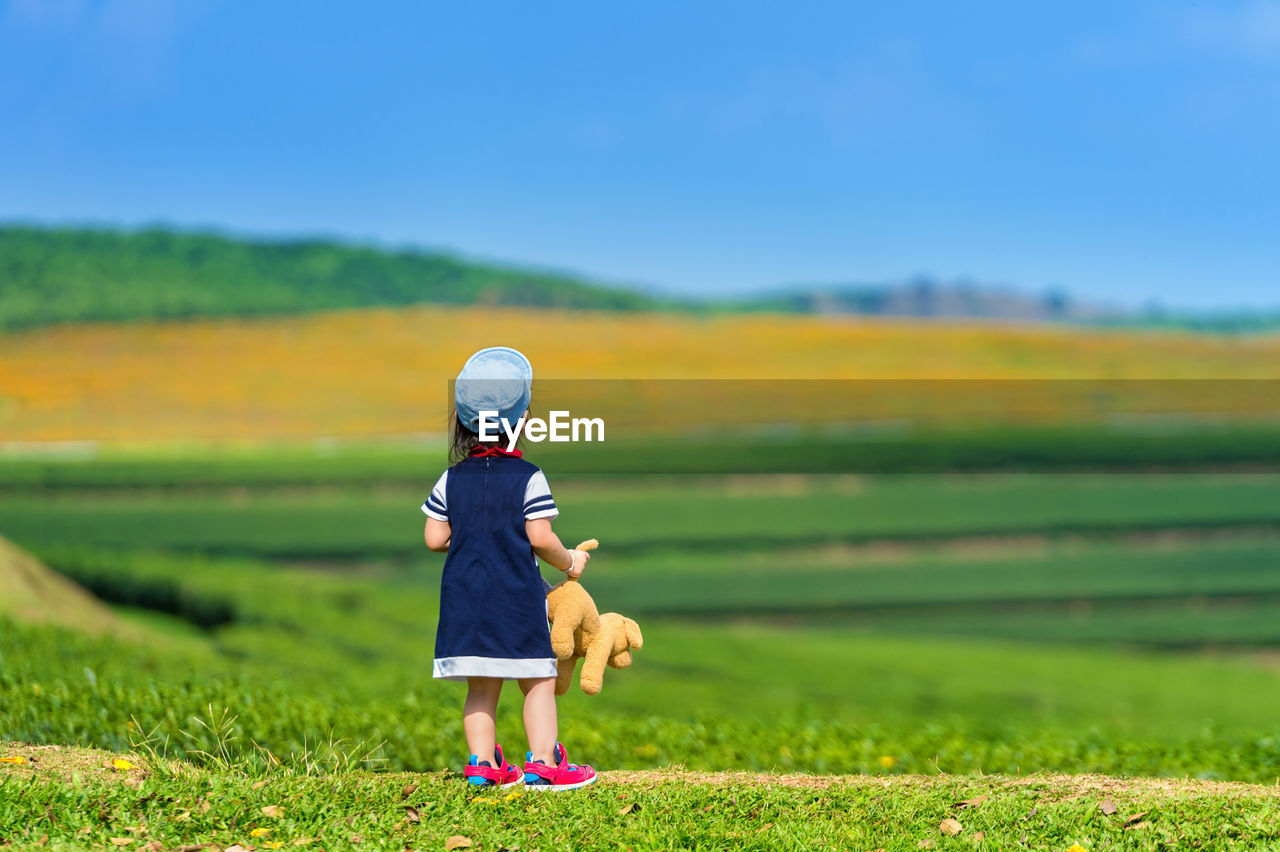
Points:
[(580, 560)]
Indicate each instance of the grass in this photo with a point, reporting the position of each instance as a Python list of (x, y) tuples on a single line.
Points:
[(689, 516), (1188, 448), (919, 633), (897, 627), (302, 653), (902, 681), (882, 585), (1186, 594), (66, 798)]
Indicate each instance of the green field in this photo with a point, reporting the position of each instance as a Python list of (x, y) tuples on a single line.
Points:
[(278, 620), (999, 622), (308, 655), (1190, 447), (637, 515)]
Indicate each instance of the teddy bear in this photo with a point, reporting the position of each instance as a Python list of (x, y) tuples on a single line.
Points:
[(579, 630)]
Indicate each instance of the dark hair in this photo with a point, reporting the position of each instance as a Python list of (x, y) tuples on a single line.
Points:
[(462, 440)]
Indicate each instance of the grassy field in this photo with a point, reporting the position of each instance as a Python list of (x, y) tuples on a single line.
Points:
[(1082, 448), (697, 518), (919, 629), (381, 372), (955, 623), (331, 665)]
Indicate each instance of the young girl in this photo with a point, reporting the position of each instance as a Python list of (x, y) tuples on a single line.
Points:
[(491, 512)]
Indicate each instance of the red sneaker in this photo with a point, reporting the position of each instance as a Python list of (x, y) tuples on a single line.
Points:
[(563, 776), (481, 773)]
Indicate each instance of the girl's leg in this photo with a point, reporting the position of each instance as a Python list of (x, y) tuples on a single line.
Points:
[(540, 723), (478, 715)]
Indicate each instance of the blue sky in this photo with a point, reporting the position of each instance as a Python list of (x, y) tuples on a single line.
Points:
[(1124, 151)]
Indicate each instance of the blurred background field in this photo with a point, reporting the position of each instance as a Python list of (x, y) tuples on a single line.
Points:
[(379, 372), (873, 545)]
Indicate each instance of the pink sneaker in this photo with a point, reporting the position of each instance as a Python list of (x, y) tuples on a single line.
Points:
[(481, 773), (563, 776)]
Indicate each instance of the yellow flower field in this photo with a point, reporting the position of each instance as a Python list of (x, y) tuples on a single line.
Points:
[(379, 372)]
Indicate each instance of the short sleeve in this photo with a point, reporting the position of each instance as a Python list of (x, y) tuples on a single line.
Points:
[(436, 506), (537, 499)]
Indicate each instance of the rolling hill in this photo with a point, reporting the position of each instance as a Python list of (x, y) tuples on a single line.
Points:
[(50, 275)]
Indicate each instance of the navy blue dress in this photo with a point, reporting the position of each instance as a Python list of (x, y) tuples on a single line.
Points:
[(493, 616)]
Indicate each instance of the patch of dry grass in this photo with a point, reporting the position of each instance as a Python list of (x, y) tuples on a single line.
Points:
[(63, 762), (60, 762), (1050, 786)]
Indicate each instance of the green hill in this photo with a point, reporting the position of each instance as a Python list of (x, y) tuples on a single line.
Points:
[(70, 274), (53, 275), (31, 592)]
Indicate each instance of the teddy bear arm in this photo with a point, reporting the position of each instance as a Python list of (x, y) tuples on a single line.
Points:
[(562, 637)]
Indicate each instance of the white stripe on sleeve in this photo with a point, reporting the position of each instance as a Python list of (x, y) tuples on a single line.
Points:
[(538, 502), (435, 506)]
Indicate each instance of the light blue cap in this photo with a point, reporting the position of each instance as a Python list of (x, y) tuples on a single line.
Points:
[(499, 379)]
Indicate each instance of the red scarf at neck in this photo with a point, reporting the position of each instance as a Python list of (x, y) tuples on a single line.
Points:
[(494, 450)]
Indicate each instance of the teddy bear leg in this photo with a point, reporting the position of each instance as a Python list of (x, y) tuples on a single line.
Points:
[(634, 637), (564, 674), (592, 677)]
